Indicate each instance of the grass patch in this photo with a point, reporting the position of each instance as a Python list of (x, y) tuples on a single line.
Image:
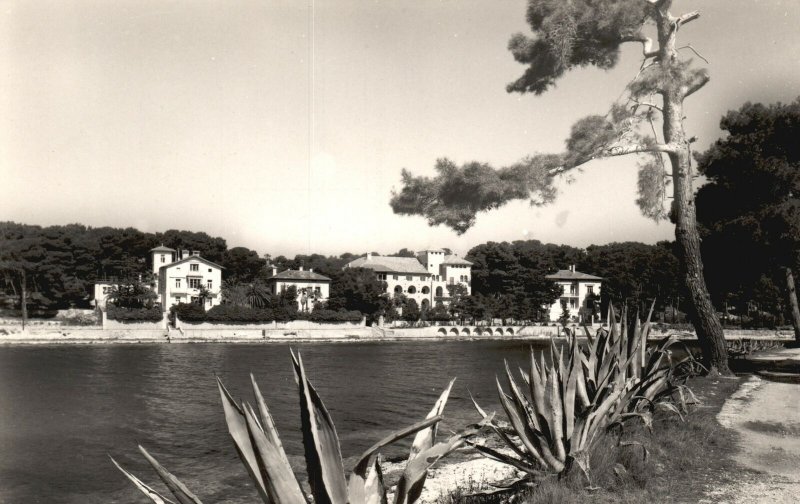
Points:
[(684, 459)]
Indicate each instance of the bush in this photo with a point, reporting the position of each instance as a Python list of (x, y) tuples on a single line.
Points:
[(322, 315), (188, 312), (153, 314), (232, 313)]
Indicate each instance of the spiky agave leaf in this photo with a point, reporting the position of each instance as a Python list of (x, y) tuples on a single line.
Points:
[(178, 489), (237, 427), (153, 495), (281, 482), (323, 454), (364, 482)]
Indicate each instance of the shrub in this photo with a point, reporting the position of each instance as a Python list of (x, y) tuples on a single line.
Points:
[(153, 314), (188, 312), (322, 315), (259, 447), (232, 314)]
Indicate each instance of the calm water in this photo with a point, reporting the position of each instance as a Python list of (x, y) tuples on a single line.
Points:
[(64, 409)]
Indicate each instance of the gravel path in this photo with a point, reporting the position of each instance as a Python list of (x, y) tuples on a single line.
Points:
[(766, 415)]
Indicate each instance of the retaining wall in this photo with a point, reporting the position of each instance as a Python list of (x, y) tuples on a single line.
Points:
[(291, 325), (135, 326)]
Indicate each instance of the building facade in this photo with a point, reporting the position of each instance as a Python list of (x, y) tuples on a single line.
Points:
[(184, 277), (311, 287), (423, 278), (579, 291)]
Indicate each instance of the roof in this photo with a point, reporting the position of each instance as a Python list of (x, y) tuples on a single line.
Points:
[(162, 248), (454, 259), (572, 275), (390, 264), (299, 275), (187, 259)]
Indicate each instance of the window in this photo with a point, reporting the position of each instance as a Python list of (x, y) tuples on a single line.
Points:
[(412, 290), (438, 292), (318, 290), (398, 290), (209, 284), (394, 277), (573, 303), (590, 289), (163, 258), (194, 267), (381, 276), (194, 283), (178, 299), (425, 290), (409, 277), (573, 289), (177, 283), (209, 270)]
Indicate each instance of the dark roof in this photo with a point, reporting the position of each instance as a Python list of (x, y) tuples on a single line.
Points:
[(571, 275), (390, 264), (299, 275), (454, 259), (187, 259), (162, 248)]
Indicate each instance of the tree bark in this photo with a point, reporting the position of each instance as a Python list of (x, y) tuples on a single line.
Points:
[(705, 320), (792, 295)]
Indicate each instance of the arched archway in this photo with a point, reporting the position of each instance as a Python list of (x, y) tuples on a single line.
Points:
[(442, 331), (398, 290), (465, 331), (454, 331), (412, 290), (425, 304), (510, 330), (425, 290), (498, 331), (439, 291)]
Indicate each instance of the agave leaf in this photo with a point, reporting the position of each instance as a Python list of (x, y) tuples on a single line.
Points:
[(524, 432), (374, 487), (154, 496), (282, 486), (322, 451), (411, 482), (178, 489), (506, 459), (281, 482), (498, 430), (556, 414), (237, 427), (426, 438)]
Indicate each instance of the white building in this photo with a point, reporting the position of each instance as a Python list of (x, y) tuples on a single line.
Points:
[(180, 276), (310, 286), (423, 279), (578, 290)]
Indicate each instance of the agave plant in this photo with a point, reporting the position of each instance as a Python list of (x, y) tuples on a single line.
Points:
[(578, 394), (259, 446)]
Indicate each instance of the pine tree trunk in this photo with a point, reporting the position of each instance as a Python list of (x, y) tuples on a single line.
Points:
[(705, 320), (792, 295)]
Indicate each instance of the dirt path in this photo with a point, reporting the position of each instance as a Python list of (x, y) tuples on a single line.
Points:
[(766, 415)]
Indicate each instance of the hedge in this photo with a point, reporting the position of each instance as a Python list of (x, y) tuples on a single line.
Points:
[(232, 314), (153, 314)]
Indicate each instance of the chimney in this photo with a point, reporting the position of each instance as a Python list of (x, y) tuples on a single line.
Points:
[(572, 268), (301, 268), (369, 256), (196, 253), (274, 270), (311, 270), (184, 254)]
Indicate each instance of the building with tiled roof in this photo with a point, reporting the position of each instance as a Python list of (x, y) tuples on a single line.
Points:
[(182, 276), (311, 287), (423, 278), (578, 291)]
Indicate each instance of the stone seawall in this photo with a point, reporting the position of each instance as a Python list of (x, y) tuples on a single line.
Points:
[(13, 334)]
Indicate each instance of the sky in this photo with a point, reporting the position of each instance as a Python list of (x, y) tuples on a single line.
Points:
[(283, 126)]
